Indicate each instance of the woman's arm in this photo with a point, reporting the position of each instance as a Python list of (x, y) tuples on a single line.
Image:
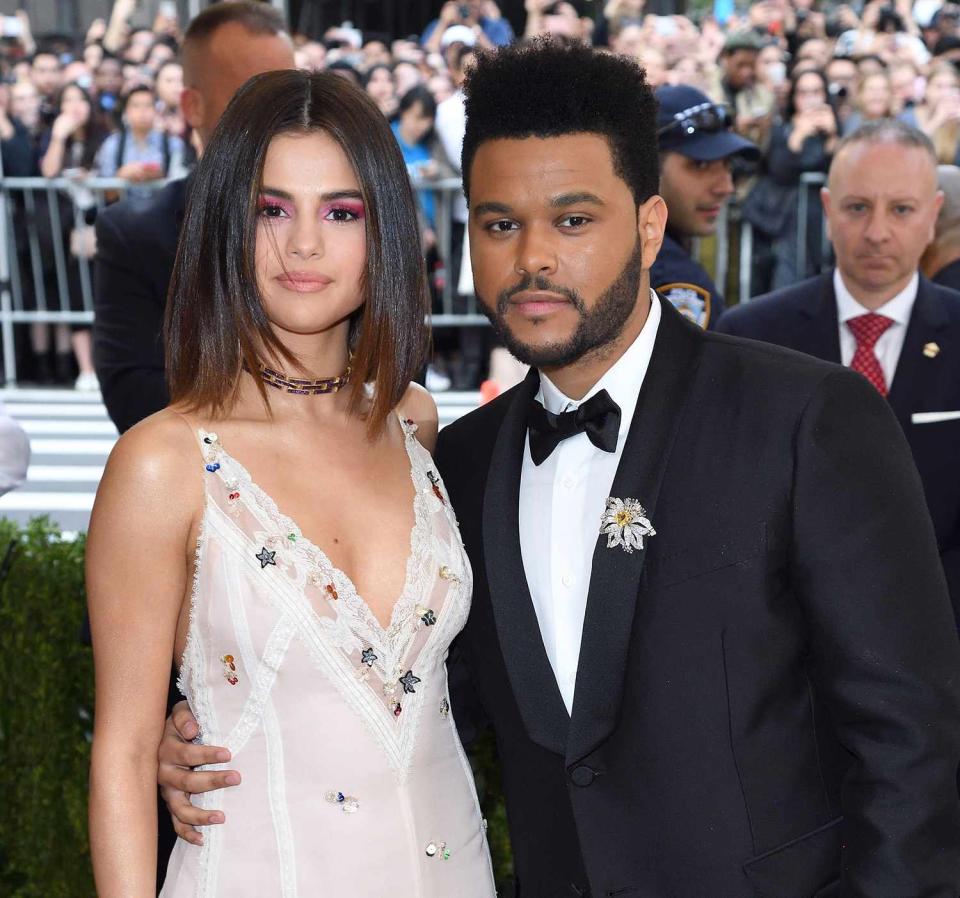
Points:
[(138, 558)]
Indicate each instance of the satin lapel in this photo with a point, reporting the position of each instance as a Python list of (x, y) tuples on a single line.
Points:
[(531, 677), (819, 334), (616, 576), (916, 373)]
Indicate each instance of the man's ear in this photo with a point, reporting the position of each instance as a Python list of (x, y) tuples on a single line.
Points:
[(191, 102), (651, 225)]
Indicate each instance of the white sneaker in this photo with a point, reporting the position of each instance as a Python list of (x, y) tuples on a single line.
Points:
[(87, 383), (436, 381)]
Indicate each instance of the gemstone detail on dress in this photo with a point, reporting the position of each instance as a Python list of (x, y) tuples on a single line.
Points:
[(229, 669), (444, 708), (435, 483), (210, 439), (408, 681), (437, 849), (213, 468), (332, 591), (348, 804), (447, 574), (429, 617), (265, 557), (368, 656)]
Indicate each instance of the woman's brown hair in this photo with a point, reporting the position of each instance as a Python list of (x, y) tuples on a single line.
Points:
[(215, 317)]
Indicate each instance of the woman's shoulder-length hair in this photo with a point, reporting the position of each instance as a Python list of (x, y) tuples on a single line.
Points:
[(216, 324)]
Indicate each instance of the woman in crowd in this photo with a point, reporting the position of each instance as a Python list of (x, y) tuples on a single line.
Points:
[(378, 83), (67, 149), (803, 142), (287, 537), (939, 113), (874, 100)]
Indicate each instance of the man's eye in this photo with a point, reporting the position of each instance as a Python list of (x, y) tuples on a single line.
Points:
[(501, 226), (575, 221), (903, 210), (856, 208)]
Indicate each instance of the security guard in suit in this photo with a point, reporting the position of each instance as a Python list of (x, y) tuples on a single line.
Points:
[(697, 147)]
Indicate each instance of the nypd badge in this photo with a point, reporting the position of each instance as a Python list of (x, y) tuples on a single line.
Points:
[(690, 300)]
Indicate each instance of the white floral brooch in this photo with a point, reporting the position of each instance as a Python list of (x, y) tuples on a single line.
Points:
[(625, 524)]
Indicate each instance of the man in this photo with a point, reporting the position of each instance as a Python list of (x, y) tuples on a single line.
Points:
[(875, 313), (752, 103), (696, 149), (842, 76), (941, 259), (137, 239), (481, 18), (46, 77), (708, 623)]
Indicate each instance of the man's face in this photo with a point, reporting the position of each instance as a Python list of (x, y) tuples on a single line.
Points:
[(217, 71), (45, 74), (881, 205), (140, 111), (109, 77), (560, 249), (844, 73), (740, 68), (694, 193), (25, 103)]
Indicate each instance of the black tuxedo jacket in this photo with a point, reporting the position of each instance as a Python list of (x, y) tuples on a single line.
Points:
[(804, 317), (136, 246), (768, 697)]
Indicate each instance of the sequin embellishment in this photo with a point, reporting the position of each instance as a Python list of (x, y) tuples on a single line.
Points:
[(408, 681), (437, 849), (427, 615), (213, 468), (368, 656), (348, 804), (444, 708), (229, 669), (435, 483), (265, 557)]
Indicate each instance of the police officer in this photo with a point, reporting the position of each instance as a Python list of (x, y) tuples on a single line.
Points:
[(697, 147)]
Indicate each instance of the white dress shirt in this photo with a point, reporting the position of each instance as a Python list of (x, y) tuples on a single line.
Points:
[(562, 501), (890, 344)]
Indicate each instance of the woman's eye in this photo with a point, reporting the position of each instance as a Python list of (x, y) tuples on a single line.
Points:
[(270, 210), (341, 213)]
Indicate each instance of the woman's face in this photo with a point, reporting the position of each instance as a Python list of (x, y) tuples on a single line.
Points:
[(169, 85), (74, 104), (941, 85), (415, 122), (809, 92), (311, 236), (875, 97), (380, 85)]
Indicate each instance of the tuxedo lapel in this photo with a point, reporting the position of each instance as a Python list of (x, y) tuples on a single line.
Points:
[(616, 576), (916, 372), (531, 677), (819, 331)]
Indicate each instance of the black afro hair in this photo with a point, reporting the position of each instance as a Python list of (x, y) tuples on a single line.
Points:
[(548, 89)]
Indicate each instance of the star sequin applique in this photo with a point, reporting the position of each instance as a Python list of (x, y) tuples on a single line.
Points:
[(265, 557)]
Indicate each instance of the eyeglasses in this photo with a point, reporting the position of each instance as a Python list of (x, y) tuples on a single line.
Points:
[(705, 117)]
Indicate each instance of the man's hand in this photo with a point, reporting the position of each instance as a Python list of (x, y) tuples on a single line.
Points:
[(176, 756)]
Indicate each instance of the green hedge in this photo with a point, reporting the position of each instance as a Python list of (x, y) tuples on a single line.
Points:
[(46, 701)]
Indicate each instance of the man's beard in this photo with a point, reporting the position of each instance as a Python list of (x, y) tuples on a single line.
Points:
[(598, 327)]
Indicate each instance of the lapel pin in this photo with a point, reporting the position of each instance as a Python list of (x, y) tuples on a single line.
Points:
[(625, 524), (931, 350)]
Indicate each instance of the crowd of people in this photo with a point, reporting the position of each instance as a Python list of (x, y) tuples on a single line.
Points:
[(795, 77)]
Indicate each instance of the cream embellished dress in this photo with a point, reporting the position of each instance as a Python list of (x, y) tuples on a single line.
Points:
[(354, 779)]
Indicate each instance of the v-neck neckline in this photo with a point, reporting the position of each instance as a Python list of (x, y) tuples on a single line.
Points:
[(289, 525)]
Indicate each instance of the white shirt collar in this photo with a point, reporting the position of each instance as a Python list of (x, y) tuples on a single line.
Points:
[(622, 381), (898, 308)]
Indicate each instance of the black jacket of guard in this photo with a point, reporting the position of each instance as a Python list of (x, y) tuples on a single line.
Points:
[(136, 246), (804, 317), (768, 697)]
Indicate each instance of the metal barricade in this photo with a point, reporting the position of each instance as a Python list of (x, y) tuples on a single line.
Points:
[(43, 279)]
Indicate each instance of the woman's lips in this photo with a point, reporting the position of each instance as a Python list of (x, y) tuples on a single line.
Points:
[(304, 282)]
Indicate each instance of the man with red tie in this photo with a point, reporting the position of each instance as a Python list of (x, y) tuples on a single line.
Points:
[(876, 314)]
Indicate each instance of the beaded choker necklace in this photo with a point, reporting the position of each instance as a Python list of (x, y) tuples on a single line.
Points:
[(304, 387)]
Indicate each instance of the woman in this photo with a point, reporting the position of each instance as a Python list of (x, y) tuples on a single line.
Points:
[(938, 116), (873, 101), (803, 142), (378, 83), (67, 149), (295, 257)]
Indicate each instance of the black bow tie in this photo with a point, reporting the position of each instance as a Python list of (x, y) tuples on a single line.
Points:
[(598, 418)]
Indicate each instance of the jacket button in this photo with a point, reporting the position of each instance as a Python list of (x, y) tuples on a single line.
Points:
[(582, 775)]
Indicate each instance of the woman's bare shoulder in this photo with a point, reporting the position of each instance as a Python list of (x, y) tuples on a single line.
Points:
[(419, 406)]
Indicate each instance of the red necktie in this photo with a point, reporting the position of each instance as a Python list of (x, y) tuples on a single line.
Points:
[(867, 329)]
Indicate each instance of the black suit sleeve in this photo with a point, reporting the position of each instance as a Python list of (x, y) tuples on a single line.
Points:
[(127, 330), (884, 651)]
